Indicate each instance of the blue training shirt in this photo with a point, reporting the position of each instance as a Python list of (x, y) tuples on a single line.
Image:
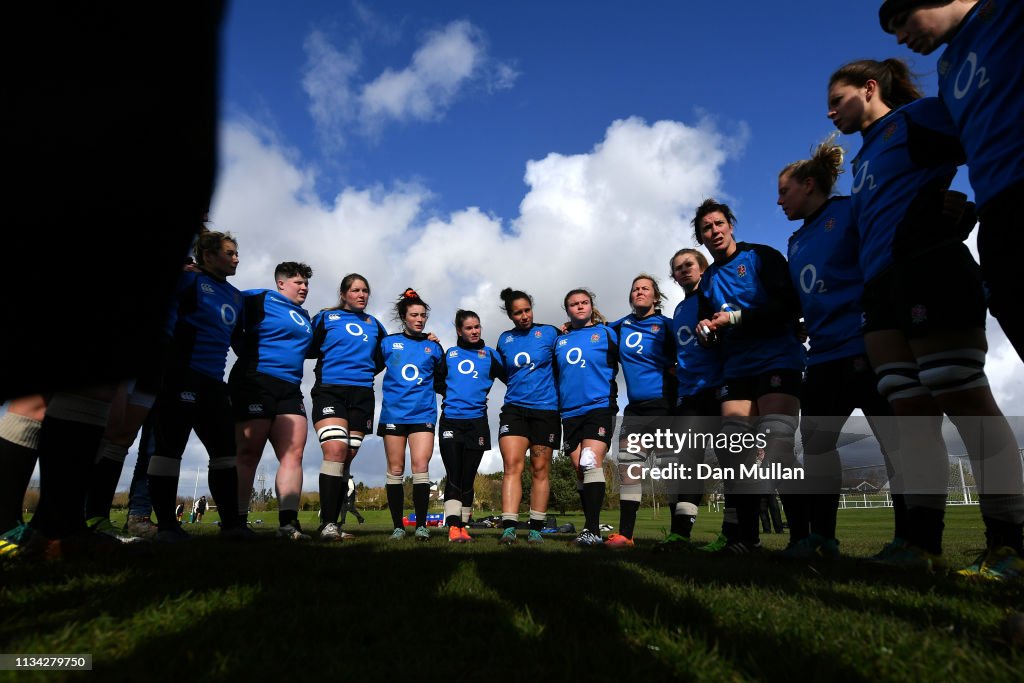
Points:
[(205, 325), (981, 82), (647, 352), (412, 376), (754, 280), (470, 370), (276, 335), (588, 360), (697, 367), (528, 357), (910, 153), (347, 349), (824, 265)]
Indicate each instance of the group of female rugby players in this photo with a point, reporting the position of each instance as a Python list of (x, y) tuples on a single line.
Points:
[(886, 334), (880, 283)]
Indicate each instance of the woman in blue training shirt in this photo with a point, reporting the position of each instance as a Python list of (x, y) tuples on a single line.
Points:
[(823, 264), (346, 345), (981, 83), (266, 396), (647, 352), (698, 375), (926, 340), (749, 306), (414, 372), (470, 369), (587, 358), (529, 420)]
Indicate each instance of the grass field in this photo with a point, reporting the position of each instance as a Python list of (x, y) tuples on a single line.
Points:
[(372, 610)]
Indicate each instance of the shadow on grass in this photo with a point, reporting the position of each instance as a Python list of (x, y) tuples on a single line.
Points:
[(213, 611)]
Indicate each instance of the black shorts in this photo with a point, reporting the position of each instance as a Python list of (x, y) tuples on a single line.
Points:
[(1000, 241), (474, 434), (353, 404), (257, 396), (754, 387), (702, 404), (934, 293), (191, 401), (837, 387), (395, 429), (597, 425), (643, 417), (541, 427)]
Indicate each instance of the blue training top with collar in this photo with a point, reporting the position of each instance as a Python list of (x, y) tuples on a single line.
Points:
[(588, 360), (276, 335), (825, 268), (647, 352), (528, 357), (412, 377), (347, 349)]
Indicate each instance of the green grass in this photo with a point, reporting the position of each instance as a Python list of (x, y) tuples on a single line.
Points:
[(373, 610)]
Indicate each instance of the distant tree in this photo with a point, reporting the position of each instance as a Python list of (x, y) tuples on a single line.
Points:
[(564, 495)]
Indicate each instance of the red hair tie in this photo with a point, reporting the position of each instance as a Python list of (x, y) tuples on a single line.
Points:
[(410, 294)]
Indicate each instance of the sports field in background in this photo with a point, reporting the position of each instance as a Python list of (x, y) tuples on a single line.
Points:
[(374, 610)]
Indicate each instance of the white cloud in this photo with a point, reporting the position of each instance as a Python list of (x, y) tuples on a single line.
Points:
[(327, 82), (441, 69)]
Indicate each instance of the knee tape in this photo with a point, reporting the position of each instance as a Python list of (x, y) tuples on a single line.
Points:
[(161, 466), (898, 381), (331, 468), (354, 442), (687, 509), (390, 479), (595, 475), (630, 492), (20, 430), (420, 478), (222, 463), (952, 371), (112, 451), (332, 433)]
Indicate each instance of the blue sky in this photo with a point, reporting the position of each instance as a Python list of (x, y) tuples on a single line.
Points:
[(461, 147)]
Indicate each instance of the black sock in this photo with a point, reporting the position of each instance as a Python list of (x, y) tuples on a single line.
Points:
[(924, 528), (627, 516), (593, 499), (453, 520), (999, 533), (396, 501), (102, 486), (797, 507), (748, 509), (420, 502), (823, 514), (536, 524), (330, 497), (899, 516), (286, 517), (67, 449), (509, 524), (224, 489), (344, 497), (17, 463), (163, 490)]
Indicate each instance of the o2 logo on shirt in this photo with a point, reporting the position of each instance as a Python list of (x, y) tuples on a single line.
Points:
[(860, 177), (809, 281), (961, 86), (468, 367), (356, 330), (684, 335), (634, 341), (522, 359), (574, 356), (300, 321), (228, 314), (411, 373)]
